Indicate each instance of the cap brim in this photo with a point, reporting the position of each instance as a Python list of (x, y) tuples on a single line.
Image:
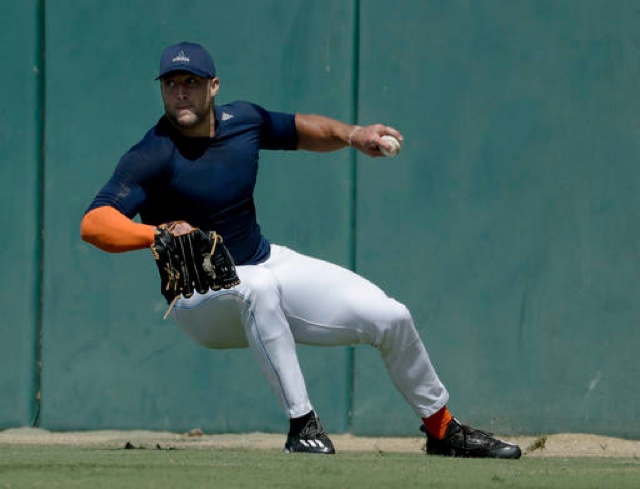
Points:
[(185, 69)]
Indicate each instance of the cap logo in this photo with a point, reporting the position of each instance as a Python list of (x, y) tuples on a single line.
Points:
[(181, 58)]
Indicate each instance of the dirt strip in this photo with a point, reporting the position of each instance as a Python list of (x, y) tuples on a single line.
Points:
[(562, 445)]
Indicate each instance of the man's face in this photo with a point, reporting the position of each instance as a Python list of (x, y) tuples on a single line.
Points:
[(188, 99)]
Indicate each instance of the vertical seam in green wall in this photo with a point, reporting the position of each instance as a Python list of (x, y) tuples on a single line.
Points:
[(355, 86), (39, 220)]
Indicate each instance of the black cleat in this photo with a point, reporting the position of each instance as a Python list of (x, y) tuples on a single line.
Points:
[(311, 439), (463, 441)]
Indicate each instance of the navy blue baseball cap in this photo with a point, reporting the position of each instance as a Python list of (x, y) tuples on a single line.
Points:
[(187, 56)]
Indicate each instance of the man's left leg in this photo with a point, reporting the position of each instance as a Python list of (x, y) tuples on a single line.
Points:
[(328, 305)]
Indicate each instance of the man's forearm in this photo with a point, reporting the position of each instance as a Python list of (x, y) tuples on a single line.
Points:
[(108, 229), (320, 133)]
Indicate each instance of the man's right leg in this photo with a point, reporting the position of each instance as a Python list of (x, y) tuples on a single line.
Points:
[(251, 315)]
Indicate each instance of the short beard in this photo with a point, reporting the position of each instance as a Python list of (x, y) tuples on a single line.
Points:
[(183, 124), (198, 120)]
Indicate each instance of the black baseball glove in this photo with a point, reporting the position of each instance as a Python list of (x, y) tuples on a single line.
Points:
[(190, 259)]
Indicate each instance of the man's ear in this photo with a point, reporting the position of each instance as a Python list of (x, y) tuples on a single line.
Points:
[(214, 87)]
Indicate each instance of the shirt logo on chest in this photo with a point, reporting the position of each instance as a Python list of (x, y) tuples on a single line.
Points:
[(226, 116)]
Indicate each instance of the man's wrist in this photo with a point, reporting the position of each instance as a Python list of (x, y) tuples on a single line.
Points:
[(353, 131)]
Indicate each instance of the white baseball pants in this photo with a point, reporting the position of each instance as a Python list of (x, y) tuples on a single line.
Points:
[(292, 298)]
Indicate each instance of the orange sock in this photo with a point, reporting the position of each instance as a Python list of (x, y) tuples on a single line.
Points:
[(437, 423)]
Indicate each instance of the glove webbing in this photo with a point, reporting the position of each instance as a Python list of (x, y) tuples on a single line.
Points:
[(177, 275)]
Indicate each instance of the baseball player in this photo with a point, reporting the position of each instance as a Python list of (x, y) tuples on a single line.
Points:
[(199, 164)]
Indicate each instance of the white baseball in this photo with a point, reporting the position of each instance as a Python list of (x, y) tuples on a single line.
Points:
[(395, 145)]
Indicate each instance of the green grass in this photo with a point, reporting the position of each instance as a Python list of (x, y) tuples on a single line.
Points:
[(96, 468)]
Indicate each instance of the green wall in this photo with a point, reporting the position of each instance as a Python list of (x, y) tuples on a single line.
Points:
[(19, 204), (514, 207), (508, 225), (110, 359)]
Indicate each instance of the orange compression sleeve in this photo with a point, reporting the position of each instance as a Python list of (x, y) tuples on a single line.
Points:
[(110, 230)]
